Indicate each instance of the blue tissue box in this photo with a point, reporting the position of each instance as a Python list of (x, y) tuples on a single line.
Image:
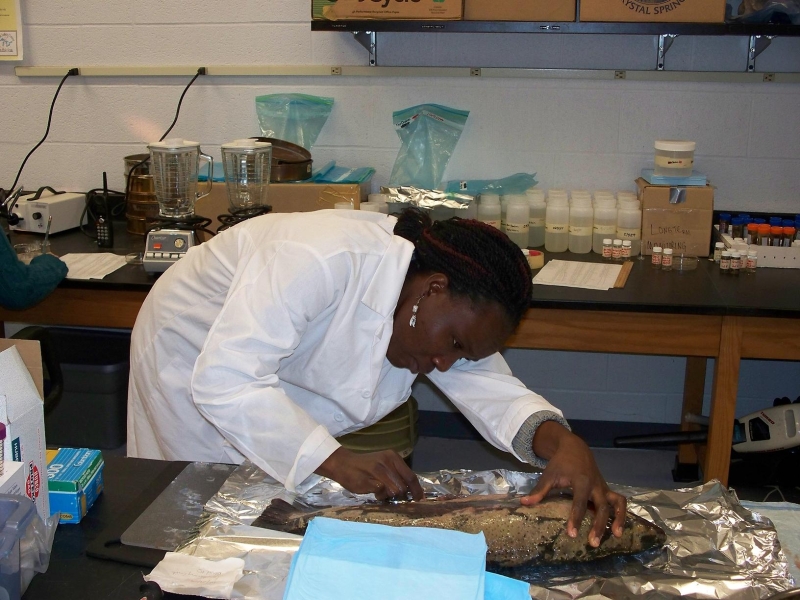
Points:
[(74, 480)]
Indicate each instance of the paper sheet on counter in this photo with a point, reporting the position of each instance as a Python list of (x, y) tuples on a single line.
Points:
[(191, 575), (588, 276), (92, 266)]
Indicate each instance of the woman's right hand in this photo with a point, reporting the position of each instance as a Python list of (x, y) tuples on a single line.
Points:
[(381, 473)]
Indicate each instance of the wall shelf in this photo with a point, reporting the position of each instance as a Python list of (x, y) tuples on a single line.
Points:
[(558, 27), (761, 35)]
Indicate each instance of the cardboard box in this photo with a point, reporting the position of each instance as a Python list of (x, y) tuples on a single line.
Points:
[(425, 10), (676, 217), (288, 197), (22, 410), (75, 480), (654, 11), (519, 10), (12, 481)]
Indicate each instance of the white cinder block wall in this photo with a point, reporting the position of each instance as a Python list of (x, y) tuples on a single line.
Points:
[(573, 133)]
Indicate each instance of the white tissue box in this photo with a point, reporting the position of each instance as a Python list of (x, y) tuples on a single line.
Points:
[(22, 410)]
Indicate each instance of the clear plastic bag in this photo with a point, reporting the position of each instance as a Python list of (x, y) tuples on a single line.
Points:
[(768, 11), (35, 547), (296, 118), (429, 134), (513, 184)]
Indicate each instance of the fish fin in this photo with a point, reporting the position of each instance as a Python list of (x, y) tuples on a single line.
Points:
[(282, 516)]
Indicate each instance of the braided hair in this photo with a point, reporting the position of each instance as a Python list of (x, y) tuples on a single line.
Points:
[(478, 259)]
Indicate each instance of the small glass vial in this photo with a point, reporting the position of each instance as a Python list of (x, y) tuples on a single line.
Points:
[(725, 262), (718, 248), (752, 261), (775, 236), (666, 259), (752, 233), (736, 263), (763, 235), (655, 258), (607, 249), (626, 249), (788, 236), (724, 222), (616, 250)]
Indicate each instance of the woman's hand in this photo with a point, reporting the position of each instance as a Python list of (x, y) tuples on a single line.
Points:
[(571, 464), (381, 473)]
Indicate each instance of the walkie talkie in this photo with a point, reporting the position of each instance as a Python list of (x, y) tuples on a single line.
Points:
[(105, 229)]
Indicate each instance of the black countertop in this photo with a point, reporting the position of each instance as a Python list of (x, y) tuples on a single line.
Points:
[(767, 293)]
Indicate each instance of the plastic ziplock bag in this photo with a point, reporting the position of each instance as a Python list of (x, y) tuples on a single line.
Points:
[(518, 183), (330, 173), (296, 118), (769, 11), (35, 547), (429, 134)]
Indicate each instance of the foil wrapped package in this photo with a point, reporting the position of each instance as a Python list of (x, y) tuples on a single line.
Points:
[(421, 198), (715, 547)]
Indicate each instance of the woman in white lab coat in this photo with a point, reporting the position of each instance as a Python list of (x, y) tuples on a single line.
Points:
[(288, 330)]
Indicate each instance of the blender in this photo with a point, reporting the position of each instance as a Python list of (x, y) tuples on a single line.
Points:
[(174, 166), (247, 164)]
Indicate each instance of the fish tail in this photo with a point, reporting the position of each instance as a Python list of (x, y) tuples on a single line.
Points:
[(282, 516)]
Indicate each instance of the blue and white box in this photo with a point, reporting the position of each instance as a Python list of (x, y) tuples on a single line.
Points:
[(75, 480)]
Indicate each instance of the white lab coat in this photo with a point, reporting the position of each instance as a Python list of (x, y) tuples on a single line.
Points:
[(269, 340)]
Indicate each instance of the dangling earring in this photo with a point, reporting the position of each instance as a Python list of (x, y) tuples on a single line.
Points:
[(414, 309)]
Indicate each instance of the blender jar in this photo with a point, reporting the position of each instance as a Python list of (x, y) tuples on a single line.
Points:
[(174, 165), (247, 164)]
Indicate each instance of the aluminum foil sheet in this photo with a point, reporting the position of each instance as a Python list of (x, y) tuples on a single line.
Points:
[(715, 547), (412, 196)]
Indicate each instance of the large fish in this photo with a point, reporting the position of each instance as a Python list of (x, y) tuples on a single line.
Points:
[(516, 535)]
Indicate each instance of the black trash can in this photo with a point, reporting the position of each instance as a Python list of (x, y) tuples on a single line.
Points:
[(92, 409)]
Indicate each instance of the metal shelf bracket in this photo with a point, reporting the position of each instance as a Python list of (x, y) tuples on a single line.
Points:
[(368, 39), (758, 43), (664, 43)]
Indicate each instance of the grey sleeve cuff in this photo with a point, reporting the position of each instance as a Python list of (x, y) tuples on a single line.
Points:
[(523, 441)]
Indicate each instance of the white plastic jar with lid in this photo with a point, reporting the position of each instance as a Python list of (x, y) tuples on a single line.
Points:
[(489, 209), (674, 158), (517, 220), (536, 217), (556, 228), (604, 224), (505, 200), (581, 215), (629, 225)]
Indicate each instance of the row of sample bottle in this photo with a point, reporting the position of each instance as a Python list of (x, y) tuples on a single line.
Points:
[(562, 221)]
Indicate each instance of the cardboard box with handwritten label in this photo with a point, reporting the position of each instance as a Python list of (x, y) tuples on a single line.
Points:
[(676, 217)]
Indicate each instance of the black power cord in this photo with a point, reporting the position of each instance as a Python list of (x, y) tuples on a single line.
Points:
[(47, 131), (7, 197), (200, 71)]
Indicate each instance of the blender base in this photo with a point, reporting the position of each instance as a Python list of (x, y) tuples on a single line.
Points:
[(169, 240), (164, 247)]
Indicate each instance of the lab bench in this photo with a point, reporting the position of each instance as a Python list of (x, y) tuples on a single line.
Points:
[(698, 314)]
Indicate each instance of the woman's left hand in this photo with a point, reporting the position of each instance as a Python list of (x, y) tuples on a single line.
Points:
[(571, 464)]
